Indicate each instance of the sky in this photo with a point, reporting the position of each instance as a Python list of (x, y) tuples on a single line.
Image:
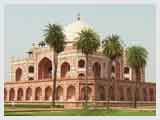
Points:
[(25, 24)]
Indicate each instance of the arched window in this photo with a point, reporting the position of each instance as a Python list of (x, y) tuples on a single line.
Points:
[(45, 69), (65, 68), (126, 70), (31, 69), (81, 76), (30, 78), (18, 74), (20, 94), (97, 70), (81, 63)]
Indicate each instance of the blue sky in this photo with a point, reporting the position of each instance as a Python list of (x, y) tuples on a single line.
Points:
[(135, 24)]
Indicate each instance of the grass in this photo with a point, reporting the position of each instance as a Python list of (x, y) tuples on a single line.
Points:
[(77, 112), (82, 113)]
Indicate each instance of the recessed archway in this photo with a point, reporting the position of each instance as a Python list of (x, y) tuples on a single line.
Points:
[(29, 94), (102, 93), (59, 95), (121, 93), (38, 93), (5, 94), (20, 94), (18, 74), (151, 94), (65, 68), (71, 93), (45, 69), (129, 94), (145, 94), (84, 96), (81, 76), (11, 94), (96, 70), (48, 93)]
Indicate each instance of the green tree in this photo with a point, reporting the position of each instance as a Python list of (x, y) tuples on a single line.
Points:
[(137, 59), (88, 41), (54, 37), (113, 49)]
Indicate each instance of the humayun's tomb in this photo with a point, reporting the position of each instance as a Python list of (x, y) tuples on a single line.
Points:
[(31, 77)]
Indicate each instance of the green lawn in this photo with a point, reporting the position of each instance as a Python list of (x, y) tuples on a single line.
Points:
[(82, 113), (42, 111)]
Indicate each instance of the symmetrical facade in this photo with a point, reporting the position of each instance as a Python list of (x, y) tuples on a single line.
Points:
[(31, 77)]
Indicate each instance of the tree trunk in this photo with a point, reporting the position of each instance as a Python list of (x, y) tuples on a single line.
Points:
[(135, 90), (54, 79), (86, 84), (109, 80)]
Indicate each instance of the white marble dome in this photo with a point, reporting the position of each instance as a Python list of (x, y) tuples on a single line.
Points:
[(71, 31)]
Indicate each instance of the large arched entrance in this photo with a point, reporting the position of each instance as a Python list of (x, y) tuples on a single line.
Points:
[(97, 70), (38, 93), (11, 94), (18, 74), (65, 68), (71, 93), (59, 95), (83, 95), (48, 93), (20, 94), (45, 69), (29, 94)]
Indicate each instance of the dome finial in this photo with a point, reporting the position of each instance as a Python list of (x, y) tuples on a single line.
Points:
[(78, 17)]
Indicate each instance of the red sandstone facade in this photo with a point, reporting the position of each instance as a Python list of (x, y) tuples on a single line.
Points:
[(31, 77)]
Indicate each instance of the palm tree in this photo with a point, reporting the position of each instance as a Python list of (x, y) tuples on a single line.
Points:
[(88, 42), (113, 49), (137, 59), (54, 37)]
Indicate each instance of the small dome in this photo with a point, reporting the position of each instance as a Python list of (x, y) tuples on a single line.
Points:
[(71, 31)]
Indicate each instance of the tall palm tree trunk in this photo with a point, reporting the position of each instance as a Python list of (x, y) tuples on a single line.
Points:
[(109, 81), (86, 84), (135, 91), (54, 79)]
